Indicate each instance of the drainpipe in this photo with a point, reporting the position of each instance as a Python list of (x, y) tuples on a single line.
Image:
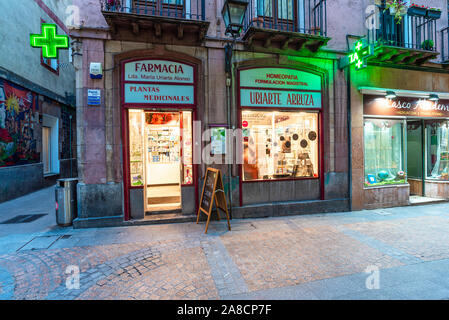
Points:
[(228, 106), (349, 119), (228, 69), (348, 111)]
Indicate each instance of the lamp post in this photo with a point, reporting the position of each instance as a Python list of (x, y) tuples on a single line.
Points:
[(233, 15)]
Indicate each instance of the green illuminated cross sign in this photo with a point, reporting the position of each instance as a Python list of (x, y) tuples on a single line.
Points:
[(49, 41), (361, 52)]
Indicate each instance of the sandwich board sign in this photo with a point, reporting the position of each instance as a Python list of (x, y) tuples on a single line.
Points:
[(213, 191)]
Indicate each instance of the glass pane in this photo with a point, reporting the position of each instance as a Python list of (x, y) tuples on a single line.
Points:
[(280, 145), (178, 2), (46, 148), (437, 150), (414, 149), (265, 8), (187, 158), (384, 152), (285, 9), (135, 148)]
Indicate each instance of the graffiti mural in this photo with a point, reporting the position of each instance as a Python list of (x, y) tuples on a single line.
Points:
[(18, 125)]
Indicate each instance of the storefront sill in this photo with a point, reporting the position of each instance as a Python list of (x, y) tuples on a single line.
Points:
[(51, 174), (388, 186), (277, 180)]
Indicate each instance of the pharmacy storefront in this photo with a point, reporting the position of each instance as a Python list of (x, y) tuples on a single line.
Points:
[(280, 112), (158, 109), (406, 145)]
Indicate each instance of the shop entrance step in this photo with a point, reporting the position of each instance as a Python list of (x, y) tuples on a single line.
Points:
[(161, 219), (158, 211)]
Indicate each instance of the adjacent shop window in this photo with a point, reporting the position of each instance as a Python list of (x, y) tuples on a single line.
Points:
[(384, 152), (280, 145), (437, 135), (187, 143), (136, 147)]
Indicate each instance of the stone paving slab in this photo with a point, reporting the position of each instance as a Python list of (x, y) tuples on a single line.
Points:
[(426, 238), (287, 257), (321, 256)]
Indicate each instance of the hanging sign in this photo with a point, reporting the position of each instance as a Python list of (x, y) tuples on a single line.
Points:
[(159, 94), (405, 107), (359, 55), (159, 82), (213, 192), (159, 71), (280, 88)]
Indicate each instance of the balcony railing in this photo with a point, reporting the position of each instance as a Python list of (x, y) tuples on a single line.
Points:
[(302, 16), (413, 32), (178, 9), (445, 45)]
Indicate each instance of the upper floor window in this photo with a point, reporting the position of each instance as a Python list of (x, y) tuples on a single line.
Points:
[(279, 9), (51, 64)]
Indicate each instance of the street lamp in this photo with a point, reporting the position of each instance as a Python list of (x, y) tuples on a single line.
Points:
[(233, 14)]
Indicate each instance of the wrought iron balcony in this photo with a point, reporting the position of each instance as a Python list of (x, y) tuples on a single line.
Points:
[(298, 25), (445, 45), (410, 41), (163, 17)]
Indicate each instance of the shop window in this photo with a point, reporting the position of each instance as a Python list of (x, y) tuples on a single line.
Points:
[(136, 147), (437, 135), (280, 145), (50, 145), (168, 135), (187, 143), (384, 152), (46, 149)]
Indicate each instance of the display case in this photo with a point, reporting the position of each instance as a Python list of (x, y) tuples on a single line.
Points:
[(280, 145), (136, 148), (437, 132), (384, 152)]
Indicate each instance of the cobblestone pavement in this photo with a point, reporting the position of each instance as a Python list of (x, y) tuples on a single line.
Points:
[(321, 256)]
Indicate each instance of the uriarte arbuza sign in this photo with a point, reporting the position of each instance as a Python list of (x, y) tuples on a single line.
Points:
[(159, 82), (279, 87)]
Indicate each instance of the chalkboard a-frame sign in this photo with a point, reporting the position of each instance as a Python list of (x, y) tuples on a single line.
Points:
[(213, 190)]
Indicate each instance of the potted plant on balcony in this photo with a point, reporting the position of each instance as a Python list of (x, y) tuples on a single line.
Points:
[(398, 9), (434, 13), (427, 45), (417, 10)]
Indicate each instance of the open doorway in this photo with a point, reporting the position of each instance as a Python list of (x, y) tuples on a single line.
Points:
[(161, 166), (415, 161), (162, 137)]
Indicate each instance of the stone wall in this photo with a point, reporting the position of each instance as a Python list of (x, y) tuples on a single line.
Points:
[(385, 197)]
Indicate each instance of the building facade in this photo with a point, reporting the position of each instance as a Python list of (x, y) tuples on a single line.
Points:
[(399, 109), (37, 114), (280, 110)]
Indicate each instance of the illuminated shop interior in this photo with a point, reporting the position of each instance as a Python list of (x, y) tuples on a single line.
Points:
[(280, 145), (160, 156)]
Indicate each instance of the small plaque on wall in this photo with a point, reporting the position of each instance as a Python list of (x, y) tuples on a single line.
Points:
[(93, 97)]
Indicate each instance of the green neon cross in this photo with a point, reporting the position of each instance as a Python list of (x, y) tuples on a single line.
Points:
[(359, 57), (49, 41)]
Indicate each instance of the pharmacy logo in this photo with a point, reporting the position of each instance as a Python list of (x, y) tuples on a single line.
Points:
[(49, 41)]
